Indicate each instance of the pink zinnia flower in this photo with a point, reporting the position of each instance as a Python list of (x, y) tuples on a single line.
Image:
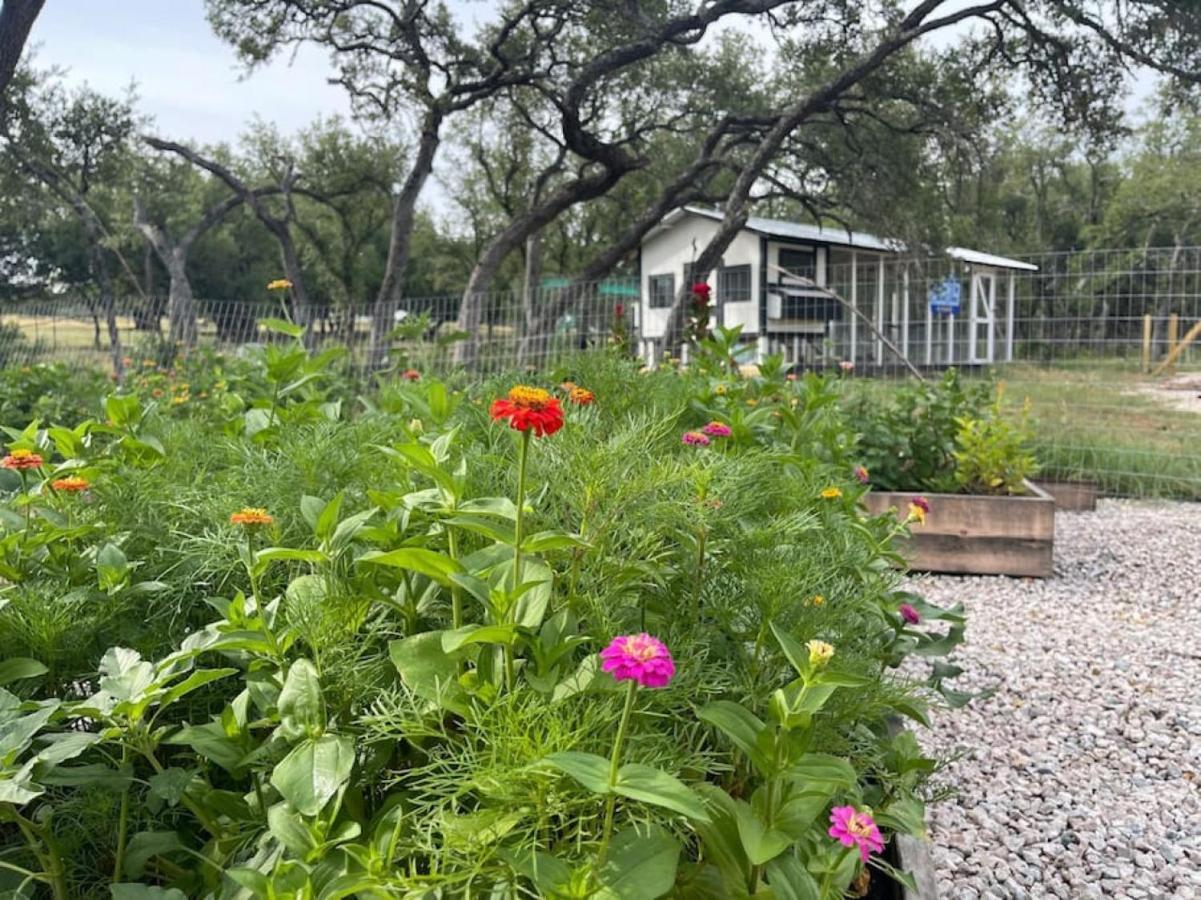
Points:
[(861, 474), (853, 829), (639, 657), (695, 438), (717, 429), (909, 613), (847, 366), (921, 503)]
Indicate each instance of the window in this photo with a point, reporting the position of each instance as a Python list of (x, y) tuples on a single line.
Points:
[(809, 309), (734, 284), (662, 291), (797, 261)]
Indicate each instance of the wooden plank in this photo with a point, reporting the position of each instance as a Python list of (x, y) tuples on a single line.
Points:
[(1177, 348), (1072, 496)]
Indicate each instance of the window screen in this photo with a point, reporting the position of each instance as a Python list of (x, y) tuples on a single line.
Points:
[(734, 284)]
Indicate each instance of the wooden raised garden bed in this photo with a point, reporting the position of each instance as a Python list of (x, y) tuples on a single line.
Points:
[(975, 534), (1072, 496)]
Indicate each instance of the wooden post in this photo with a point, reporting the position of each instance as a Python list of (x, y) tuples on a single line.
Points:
[(1147, 343), (1170, 360), (1173, 332)]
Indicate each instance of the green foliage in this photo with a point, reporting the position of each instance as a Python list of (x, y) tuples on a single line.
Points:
[(392, 688), (908, 435), (992, 455)]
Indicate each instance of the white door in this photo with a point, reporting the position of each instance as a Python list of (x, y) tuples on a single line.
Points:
[(982, 333)]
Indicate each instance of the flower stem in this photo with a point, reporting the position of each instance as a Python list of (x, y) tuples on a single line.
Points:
[(122, 824), (456, 595), (518, 540), (614, 765)]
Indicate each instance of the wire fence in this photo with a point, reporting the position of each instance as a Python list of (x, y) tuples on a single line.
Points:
[(1074, 336)]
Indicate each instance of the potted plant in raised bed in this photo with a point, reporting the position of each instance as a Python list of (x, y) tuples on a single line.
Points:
[(952, 445)]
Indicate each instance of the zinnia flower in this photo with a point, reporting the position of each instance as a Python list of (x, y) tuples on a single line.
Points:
[(640, 657), (619, 310), (581, 396), (529, 408), (861, 474), (909, 613), (820, 653), (251, 515), (816, 600), (831, 493), (21, 460), (919, 508), (855, 829), (717, 429), (847, 366), (700, 290), (279, 284), (410, 375), (71, 485), (695, 439)]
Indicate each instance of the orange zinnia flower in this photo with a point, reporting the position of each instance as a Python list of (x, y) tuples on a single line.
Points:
[(581, 396), (21, 459), (529, 408), (71, 485), (251, 515), (410, 375)]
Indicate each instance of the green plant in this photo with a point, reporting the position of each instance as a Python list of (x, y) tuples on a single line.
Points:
[(991, 452)]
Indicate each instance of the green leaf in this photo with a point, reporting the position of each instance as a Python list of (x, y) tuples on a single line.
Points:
[(197, 679), (437, 566), (287, 828), (797, 654), (314, 771), (478, 634), (170, 784), (145, 845), (281, 326), (823, 770), (111, 567), (789, 879), (641, 865), (841, 679), (502, 507), (327, 521), (20, 667), (277, 554), (552, 540), (301, 703), (588, 769), (742, 727), (429, 672), (654, 786), (501, 532), (310, 510), (759, 842)]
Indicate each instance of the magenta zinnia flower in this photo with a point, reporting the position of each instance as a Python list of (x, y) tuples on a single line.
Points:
[(695, 439), (640, 657), (861, 474), (717, 429), (921, 503), (909, 613), (853, 829)]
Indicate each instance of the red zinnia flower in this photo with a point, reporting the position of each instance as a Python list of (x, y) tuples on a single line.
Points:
[(581, 396), (21, 459), (619, 310), (410, 375), (70, 485), (701, 289), (529, 409)]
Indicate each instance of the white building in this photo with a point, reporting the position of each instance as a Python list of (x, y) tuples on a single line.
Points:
[(753, 288)]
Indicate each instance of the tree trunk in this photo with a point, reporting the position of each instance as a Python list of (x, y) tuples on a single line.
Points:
[(404, 215), (108, 304), (529, 299), (181, 306), (16, 20)]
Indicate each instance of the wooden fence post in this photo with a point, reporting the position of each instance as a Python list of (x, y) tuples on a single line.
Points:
[(1147, 343), (1173, 332)]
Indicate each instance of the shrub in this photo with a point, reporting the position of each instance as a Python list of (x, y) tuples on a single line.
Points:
[(991, 455), (385, 676)]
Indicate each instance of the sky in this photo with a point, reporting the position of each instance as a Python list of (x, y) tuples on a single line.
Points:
[(186, 78)]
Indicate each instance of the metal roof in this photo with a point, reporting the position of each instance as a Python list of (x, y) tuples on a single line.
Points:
[(975, 257), (799, 231), (841, 237)]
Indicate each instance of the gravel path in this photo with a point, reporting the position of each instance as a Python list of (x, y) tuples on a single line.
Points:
[(1081, 776)]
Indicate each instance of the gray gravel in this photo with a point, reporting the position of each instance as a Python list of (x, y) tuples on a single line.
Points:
[(1081, 776)]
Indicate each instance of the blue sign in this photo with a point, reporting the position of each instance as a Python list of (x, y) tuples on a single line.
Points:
[(944, 297)]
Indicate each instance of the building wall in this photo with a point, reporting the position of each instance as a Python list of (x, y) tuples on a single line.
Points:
[(669, 250)]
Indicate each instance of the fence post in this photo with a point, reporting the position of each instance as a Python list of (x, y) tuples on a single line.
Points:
[(1173, 335), (1147, 342)]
